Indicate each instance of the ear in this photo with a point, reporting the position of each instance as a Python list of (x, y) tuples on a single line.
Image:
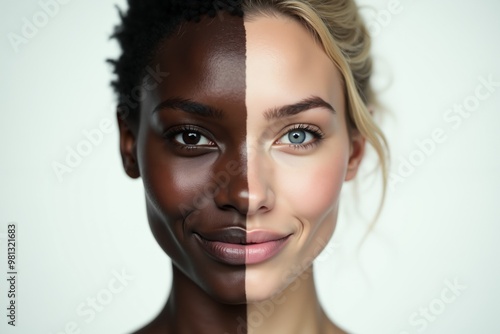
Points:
[(128, 147), (356, 154)]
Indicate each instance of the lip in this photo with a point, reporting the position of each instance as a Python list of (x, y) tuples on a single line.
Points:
[(235, 246)]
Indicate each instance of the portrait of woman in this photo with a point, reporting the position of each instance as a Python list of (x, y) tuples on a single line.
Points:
[(243, 148), (249, 166)]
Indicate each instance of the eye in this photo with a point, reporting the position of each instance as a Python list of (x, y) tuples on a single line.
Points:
[(297, 137), (189, 137), (192, 138), (301, 136)]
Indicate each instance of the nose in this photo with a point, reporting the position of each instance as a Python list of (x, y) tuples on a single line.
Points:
[(244, 184), (231, 178), (261, 196)]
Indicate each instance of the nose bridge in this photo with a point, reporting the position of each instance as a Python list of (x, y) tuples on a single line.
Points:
[(260, 176), (230, 175)]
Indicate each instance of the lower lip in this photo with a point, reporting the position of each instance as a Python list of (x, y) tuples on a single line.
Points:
[(236, 254)]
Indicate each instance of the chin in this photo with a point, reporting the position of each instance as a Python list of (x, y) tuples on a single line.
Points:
[(225, 289), (259, 295), (228, 297), (263, 283)]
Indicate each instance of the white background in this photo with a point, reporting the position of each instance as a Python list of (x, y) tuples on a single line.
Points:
[(441, 223)]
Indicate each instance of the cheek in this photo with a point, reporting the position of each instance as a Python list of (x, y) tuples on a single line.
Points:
[(177, 185), (316, 185)]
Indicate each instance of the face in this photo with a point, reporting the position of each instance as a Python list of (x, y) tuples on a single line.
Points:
[(243, 150)]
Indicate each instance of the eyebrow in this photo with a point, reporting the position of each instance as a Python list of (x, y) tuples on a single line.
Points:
[(190, 107), (296, 108)]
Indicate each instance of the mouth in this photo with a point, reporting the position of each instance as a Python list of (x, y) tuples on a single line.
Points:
[(235, 246)]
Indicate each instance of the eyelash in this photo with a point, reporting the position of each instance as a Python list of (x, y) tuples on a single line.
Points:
[(317, 134), (171, 133)]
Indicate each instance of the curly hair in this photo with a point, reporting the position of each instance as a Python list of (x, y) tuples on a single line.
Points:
[(142, 27)]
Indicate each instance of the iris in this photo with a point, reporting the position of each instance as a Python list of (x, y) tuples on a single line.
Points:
[(297, 136)]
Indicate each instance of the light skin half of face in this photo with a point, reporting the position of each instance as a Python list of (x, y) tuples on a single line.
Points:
[(299, 155)]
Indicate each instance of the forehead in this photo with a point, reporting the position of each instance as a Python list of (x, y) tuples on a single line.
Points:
[(226, 56), (204, 58), (284, 53)]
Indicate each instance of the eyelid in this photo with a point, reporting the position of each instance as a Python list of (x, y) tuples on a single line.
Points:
[(174, 131), (312, 129)]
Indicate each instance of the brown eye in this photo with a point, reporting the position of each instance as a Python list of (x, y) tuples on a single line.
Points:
[(192, 138)]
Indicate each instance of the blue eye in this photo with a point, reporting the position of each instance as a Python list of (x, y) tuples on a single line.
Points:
[(301, 137), (298, 137)]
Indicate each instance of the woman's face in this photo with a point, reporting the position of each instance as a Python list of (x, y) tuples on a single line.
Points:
[(243, 149)]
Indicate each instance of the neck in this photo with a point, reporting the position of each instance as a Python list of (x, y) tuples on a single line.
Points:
[(189, 309), (295, 310)]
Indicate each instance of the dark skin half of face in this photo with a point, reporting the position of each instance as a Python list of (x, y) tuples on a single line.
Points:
[(196, 190)]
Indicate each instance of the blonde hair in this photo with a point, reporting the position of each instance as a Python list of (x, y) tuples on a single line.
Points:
[(340, 30)]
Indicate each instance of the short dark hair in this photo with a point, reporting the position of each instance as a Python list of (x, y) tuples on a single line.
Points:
[(140, 30)]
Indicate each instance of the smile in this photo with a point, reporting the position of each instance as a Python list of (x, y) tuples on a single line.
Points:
[(238, 247)]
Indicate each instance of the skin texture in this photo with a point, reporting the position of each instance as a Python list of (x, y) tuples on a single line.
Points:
[(242, 175), (293, 189), (186, 190)]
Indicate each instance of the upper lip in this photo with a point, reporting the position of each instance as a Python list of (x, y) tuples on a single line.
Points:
[(231, 235), (236, 235), (261, 236)]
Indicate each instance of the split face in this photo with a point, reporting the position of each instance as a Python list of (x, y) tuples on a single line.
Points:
[(243, 149)]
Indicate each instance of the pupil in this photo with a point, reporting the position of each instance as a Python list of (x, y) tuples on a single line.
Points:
[(191, 138), (297, 137)]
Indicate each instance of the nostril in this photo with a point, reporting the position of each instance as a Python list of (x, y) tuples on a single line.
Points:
[(233, 196), (240, 207), (259, 210)]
